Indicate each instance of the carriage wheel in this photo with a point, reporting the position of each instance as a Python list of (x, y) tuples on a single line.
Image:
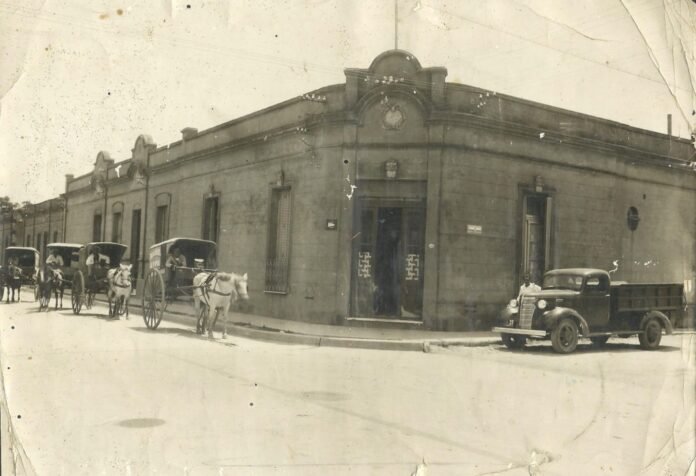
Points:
[(153, 301), (77, 292)]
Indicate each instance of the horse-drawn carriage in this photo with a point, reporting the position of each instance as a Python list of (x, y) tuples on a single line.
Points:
[(58, 272), (70, 254), (185, 268), (96, 263), (25, 263), (173, 265)]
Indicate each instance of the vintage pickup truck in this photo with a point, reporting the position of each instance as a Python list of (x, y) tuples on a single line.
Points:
[(582, 302)]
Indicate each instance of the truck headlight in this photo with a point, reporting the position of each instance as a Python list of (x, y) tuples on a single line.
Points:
[(541, 304)]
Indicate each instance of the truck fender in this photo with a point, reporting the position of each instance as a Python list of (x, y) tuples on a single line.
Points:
[(554, 315), (507, 313), (664, 319)]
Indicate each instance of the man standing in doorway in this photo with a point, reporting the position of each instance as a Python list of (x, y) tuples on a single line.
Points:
[(527, 287)]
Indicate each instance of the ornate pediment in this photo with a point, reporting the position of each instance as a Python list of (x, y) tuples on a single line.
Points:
[(138, 169), (101, 172), (396, 68)]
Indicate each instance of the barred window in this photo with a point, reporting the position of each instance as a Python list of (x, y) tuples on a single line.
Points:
[(55, 237), (211, 224), (28, 242), (162, 223), (117, 227), (278, 254), (96, 227), (45, 242)]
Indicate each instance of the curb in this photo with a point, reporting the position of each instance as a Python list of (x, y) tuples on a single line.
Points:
[(284, 337)]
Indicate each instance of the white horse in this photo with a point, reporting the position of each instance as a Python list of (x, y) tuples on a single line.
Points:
[(120, 287), (216, 291)]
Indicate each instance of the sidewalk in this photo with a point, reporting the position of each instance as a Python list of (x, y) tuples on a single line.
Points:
[(304, 333)]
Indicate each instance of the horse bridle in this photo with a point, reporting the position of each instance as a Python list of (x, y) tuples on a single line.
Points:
[(118, 273)]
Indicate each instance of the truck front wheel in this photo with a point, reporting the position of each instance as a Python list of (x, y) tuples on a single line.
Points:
[(652, 334), (513, 341), (564, 338)]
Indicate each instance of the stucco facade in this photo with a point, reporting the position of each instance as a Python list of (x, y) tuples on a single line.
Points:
[(398, 197)]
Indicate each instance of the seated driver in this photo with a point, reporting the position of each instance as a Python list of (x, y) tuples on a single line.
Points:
[(174, 260), (55, 261), (95, 261)]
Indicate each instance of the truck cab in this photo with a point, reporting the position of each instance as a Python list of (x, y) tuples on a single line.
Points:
[(577, 302)]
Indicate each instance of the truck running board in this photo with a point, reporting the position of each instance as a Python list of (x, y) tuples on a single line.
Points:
[(524, 332)]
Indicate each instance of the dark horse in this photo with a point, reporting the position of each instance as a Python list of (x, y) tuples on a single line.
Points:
[(10, 277), (50, 280)]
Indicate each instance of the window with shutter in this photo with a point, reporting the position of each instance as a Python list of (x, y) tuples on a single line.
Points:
[(117, 227), (211, 225), (278, 256), (96, 227), (162, 223)]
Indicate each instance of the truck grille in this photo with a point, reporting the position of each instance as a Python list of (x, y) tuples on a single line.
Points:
[(527, 312)]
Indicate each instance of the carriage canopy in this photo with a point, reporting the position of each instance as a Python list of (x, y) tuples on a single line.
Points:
[(70, 252), (26, 257), (198, 253), (111, 253)]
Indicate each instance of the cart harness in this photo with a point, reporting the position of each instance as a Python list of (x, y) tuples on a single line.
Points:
[(114, 283), (207, 289)]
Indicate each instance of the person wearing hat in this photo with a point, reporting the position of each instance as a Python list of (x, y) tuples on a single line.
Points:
[(55, 263), (174, 260), (55, 260), (94, 262)]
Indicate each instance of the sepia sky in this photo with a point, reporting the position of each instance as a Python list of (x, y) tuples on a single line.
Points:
[(77, 77)]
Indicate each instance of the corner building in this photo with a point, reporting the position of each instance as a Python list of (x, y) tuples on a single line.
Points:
[(397, 197)]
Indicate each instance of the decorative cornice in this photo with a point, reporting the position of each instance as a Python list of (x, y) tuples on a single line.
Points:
[(526, 132)]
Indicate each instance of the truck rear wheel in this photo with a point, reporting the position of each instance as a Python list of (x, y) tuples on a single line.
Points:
[(651, 335), (564, 338), (513, 341)]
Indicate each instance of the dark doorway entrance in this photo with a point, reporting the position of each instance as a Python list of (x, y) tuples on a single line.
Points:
[(135, 240), (387, 262), (536, 236), (388, 259)]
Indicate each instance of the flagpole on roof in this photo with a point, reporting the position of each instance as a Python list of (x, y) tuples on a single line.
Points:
[(396, 24)]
